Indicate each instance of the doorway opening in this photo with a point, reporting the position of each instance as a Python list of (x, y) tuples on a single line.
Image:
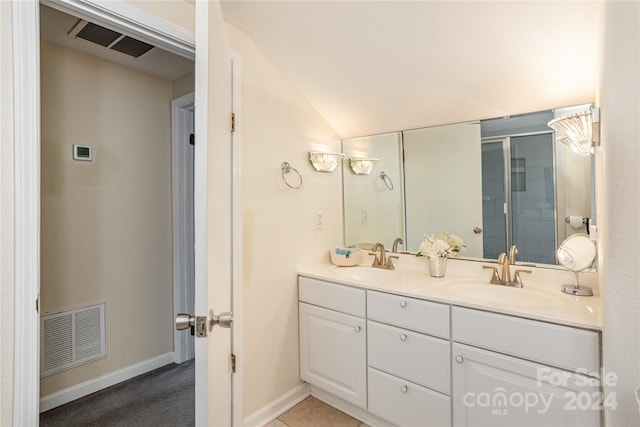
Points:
[(107, 224)]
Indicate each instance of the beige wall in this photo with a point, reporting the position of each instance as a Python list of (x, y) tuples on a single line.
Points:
[(6, 217), (106, 224), (278, 125), (179, 12), (618, 206), (184, 85)]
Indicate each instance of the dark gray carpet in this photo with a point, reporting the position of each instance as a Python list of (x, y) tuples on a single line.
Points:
[(163, 397)]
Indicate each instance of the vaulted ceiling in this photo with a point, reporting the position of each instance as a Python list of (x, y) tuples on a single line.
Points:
[(376, 66)]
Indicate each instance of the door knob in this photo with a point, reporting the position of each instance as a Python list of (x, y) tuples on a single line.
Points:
[(200, 323), (224, 320), (184, 321)]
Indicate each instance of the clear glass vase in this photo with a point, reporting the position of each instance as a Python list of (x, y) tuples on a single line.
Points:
[(437, 265)]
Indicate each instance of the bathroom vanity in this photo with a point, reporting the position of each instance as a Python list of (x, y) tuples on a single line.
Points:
[(401, 348)]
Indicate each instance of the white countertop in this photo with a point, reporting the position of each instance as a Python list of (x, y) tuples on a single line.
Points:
[(539, 299)]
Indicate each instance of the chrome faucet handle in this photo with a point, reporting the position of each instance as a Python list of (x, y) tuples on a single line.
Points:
[(495, 276), (389, 264), (517, 280)]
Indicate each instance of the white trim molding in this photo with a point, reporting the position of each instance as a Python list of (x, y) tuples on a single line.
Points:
[(279, 406), (77, 391), (26, 98), (182, 206)]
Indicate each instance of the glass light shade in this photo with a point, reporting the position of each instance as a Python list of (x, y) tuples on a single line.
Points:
[(575, 131), (362, 166), (324, 162)]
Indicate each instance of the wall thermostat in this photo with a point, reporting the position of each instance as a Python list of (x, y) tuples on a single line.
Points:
[(82, 152)]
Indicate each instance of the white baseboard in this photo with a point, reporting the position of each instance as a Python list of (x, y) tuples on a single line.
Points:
[(278, 407), (349, 408), (77, 391)]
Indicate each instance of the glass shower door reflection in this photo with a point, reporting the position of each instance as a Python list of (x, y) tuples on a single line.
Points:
[(533, 198), (493, 199), (518, 197)]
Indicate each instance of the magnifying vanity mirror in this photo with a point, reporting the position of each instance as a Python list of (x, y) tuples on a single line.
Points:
[(577, 253), (495, 183)]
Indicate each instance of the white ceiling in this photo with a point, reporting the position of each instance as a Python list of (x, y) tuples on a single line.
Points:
[(376, 66), (55, 26)]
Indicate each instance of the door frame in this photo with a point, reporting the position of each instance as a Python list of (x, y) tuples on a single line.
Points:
[(26, 100), (182, 173)]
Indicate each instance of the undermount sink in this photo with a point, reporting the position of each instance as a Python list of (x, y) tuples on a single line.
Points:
[(506, 295), (366, 273)]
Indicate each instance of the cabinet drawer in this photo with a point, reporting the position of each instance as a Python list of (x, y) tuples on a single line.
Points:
[(415, 357), (406, 404), (555, 345), (341, 298), (418, 315)]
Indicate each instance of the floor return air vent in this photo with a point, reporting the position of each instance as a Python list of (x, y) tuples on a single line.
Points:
[(71, 338)]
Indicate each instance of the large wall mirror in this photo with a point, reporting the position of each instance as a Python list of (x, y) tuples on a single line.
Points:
[(495, 183)]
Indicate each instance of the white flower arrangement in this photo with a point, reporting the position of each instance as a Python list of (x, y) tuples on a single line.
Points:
[(442, 245)]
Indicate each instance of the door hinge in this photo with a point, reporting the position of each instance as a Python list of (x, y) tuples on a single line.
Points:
[(233, 122), (233, 363), (192, 139)]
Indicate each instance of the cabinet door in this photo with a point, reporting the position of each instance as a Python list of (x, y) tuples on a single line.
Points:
[(333, 352), (491, 389)]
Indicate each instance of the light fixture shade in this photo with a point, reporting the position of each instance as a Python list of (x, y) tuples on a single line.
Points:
[(362, 166), (575, 131), (324, 162)]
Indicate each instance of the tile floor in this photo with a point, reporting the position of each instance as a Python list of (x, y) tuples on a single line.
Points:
[(312, 412)]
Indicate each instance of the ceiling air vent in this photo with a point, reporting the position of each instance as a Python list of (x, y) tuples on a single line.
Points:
[(132, 47), (109, 39)]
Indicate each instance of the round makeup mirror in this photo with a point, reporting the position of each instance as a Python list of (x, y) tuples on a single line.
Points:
[(577, 253)]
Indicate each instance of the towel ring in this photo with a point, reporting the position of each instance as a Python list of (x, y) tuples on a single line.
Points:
[(286, 168), (387, 181)]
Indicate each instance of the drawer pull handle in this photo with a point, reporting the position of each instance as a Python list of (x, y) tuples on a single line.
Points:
[(403, 304), (403, 337), (459, 359), (357, 328), (404, 388)]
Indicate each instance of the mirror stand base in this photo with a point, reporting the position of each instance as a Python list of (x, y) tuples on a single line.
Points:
[(579, 291)]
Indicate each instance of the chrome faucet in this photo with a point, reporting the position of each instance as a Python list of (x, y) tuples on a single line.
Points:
[(505, 278), (382, 261), (395, 245)]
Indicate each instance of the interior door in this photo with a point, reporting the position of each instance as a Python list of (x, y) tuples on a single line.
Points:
[(213, 215)]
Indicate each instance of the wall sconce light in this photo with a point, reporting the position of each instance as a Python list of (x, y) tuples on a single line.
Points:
[(324, 162), (362, 166), (578, 131)]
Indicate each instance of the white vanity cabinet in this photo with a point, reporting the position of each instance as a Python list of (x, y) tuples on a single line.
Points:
[(409, 360), (539, 387), (333, 339), (412, 362)]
